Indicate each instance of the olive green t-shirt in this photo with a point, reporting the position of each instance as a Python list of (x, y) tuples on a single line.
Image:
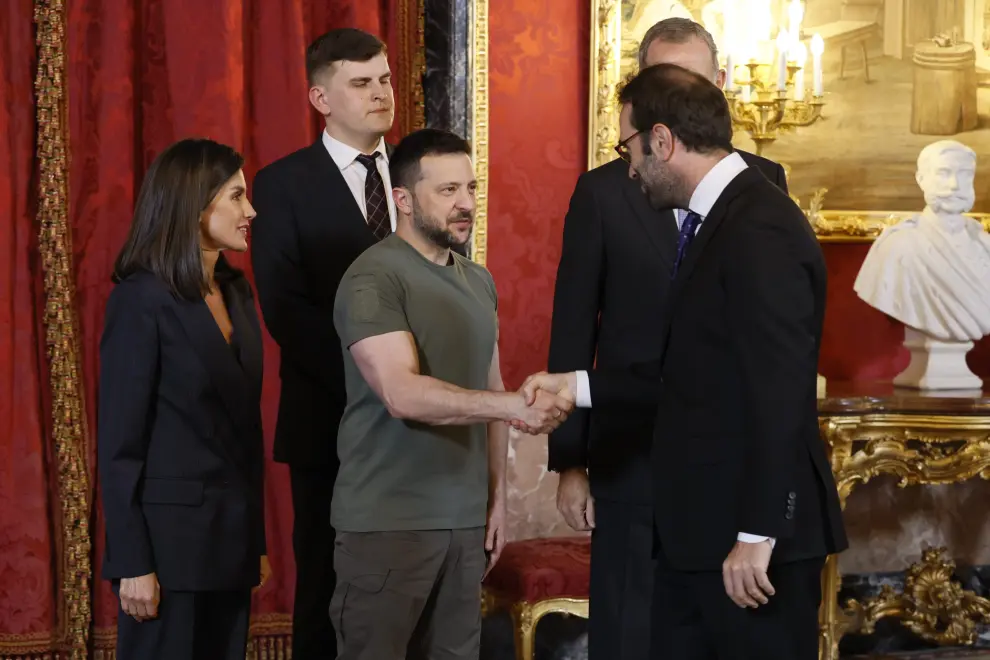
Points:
[(401, 475)]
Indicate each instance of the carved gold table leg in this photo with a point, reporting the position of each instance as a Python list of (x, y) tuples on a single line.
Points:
[(829, 616)]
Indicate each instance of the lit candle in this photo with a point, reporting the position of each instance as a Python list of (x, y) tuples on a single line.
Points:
[(795, 12), (817, 48), (800, 57), (729, 72), (783, 41)]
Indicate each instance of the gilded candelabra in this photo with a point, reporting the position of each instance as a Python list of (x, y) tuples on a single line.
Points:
[(773, 98), (766, 110)]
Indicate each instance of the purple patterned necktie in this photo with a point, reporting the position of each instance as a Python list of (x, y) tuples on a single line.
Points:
[(374, 197), (688, 229)]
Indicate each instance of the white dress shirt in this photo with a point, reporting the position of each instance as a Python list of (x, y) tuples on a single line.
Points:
[(705, 195), (355, 174)]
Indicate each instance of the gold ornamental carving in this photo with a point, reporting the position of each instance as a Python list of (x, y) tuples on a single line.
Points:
[(933, 605), (858, 226), (917, 450), (478, 40), (606, 44)]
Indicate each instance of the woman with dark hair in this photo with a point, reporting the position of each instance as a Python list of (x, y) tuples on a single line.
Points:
[(179, 438)]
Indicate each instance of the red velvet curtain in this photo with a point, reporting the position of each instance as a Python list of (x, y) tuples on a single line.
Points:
[(138, 75)]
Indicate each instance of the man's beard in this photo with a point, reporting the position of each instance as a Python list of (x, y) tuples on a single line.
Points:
[(438, 232), (658, 183)]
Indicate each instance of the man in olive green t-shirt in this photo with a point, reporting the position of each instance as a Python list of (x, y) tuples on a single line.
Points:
[(420, 495)]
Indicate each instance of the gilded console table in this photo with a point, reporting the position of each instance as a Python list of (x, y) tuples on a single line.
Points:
[(874, 429)]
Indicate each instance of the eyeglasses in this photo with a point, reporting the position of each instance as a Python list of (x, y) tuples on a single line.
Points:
[(623, 147)]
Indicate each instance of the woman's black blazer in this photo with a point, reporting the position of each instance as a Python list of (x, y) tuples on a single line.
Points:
[(179, 436)]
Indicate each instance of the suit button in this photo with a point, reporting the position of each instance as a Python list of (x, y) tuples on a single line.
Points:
[(789, 514), (792, 496)]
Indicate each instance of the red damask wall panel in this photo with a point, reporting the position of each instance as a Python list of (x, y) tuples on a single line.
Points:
[(538, 99)]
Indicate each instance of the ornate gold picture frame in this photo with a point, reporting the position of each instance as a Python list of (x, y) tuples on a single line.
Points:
[(478, 39), (612, 58)]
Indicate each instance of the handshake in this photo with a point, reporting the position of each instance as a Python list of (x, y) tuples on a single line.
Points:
[(546, 401)]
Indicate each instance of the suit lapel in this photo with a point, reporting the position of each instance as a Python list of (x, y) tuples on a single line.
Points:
[(336, 192), (217, 356), (709, 226), (247, 336), (660, 226)]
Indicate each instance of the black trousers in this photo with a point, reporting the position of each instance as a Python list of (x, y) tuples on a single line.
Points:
[(694, 619), (191, 625), (313, 637), (622, 573)]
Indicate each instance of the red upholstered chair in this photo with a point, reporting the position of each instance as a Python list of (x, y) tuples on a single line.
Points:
[(536, 577)]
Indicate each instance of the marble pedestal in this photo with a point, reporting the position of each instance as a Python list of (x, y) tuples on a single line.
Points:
[(936, 364)]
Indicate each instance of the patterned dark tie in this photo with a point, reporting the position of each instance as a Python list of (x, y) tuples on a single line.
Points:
[(374, 197), (688, 229)]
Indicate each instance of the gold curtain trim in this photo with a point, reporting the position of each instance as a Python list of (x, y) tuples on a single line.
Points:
[(412, 115), (32, 645), (270, 638), (69, 434)]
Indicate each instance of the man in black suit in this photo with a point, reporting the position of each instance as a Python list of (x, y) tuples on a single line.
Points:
[(612, 284), (745, 505), (318, 210)]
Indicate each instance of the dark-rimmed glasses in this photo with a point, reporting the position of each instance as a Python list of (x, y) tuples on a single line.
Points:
[(623, 148)]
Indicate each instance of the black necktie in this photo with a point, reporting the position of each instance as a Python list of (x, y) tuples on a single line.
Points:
[(688, 229), (374, 197)]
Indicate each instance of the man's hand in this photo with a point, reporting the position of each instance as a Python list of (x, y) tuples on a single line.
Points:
[(542, 390), (139, 596), (540, 413), (744, 573), (563, 385), (495, 530), (574, 500)]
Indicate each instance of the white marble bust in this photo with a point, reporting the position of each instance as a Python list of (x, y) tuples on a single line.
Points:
[(932, 272)]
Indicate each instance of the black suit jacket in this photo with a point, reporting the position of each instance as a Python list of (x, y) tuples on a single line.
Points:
[(611, 288), (308, 231), (736, 443), (179, 437)]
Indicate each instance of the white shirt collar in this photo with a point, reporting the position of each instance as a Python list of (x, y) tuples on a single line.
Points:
[(715, 182), (343, 155)]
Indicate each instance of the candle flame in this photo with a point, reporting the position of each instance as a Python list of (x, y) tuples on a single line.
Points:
[(817, 44)]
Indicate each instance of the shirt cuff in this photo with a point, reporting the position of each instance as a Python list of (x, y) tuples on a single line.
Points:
[(583, 394), (753, 538)]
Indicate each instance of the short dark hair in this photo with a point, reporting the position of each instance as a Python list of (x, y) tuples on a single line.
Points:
[(338, 45), (687, 103), (404, 163), (164, 237), (677, 30)]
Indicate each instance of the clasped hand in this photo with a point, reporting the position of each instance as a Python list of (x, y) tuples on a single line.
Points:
[(547, 401)]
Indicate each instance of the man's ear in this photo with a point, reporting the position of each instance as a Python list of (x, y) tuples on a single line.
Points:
[(317, 99), (403, 200), (662, 142)]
